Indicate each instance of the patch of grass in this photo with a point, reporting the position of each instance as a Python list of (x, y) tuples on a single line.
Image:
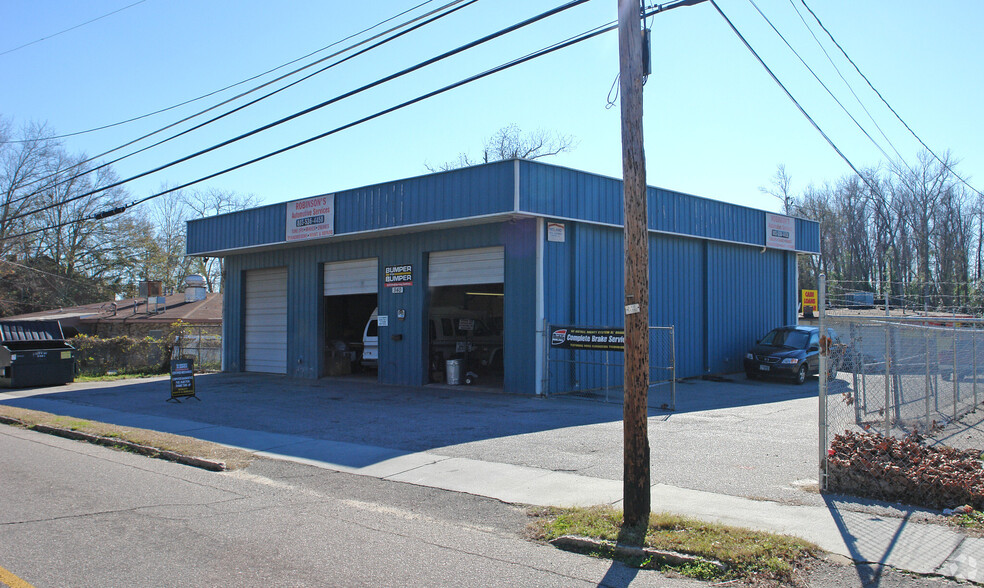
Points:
[(95, 377), (70, 423), (179, 444), (973, 520), (747, 554)]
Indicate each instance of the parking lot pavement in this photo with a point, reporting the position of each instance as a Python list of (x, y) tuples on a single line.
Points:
[(744, 438)]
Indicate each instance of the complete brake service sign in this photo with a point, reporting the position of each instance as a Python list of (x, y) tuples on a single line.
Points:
[(589, 338)]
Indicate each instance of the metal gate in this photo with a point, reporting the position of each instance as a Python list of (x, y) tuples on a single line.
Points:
[(595, 369)]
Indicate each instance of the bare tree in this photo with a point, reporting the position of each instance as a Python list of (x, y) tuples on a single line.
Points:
[(780, 188), (510, 142), (210, 202)]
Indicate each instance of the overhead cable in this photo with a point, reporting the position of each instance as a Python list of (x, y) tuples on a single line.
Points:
[(230, 86), (789, 95), (882, 98), (555, 47), (2, 53), (850, 87), (319, 106), (819, 81), (430, 16)]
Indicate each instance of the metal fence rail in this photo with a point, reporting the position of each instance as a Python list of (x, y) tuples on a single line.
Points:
[(201, 343), (598, 374), (895, 381)]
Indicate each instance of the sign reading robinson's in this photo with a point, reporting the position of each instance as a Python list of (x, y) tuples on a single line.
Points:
[(590, 338), (312, 218), (780, 231)]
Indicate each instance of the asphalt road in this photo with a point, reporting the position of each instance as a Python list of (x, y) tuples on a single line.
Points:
[(73, 514)]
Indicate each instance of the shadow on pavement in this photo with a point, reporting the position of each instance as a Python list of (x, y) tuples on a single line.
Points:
[(367, 422)]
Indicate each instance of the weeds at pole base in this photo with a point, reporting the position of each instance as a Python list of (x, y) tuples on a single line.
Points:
[(746, 554)]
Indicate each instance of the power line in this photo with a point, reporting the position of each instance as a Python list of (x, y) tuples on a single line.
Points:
[(413, 68), (789, 95), (847, 83), (870, 85), (819, 81), (555, 47), (71, 28), (200, 125), (239, 83)]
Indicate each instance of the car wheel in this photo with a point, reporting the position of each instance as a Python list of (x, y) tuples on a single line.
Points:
[(800, 376), (751, 376)]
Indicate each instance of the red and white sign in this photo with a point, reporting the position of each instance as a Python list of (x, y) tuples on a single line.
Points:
[(312, 218), (780, 231)]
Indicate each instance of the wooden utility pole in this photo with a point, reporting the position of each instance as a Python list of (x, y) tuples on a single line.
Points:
[(635, 473)]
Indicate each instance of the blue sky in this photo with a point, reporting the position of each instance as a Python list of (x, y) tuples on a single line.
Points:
[(716, 125)]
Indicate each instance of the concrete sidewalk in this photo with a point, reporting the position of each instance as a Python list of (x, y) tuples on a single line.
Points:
[(860, 536)]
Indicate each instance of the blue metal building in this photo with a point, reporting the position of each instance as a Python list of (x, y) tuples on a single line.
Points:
[(550, 236)]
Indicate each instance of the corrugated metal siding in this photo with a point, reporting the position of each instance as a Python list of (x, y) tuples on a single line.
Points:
[(474, 191), (807, 235), (718, 297), (678, 296), (245, 228), (565, 193), (746, 288), (401, 362)]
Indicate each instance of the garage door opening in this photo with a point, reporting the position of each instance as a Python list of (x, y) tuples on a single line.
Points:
[(465, 323), (350, 299), (346, 318)]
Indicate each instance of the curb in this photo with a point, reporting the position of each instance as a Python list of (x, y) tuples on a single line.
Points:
[(198, 462), (582, 544)]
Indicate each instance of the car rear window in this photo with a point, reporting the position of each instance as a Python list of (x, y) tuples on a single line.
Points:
[(786, 338)]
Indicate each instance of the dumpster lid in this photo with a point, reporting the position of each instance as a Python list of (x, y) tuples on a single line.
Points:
[(31, 331)]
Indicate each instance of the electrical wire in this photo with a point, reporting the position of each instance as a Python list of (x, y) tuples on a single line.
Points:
[(882, 98), (239, 83), (819, 81), (529, 57), (790, 96), (437, 11), (411, 69), (71, 28), (850, 87)]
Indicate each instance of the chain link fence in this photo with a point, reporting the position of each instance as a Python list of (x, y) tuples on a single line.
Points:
[(201, 343), (897, 407), (597, 373)]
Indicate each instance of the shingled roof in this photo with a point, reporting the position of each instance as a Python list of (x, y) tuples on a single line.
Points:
[(135, 311)]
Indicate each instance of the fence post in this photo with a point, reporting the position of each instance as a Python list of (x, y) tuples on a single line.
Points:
[(822, 432), (545, 380), (672, 367), (974, 336), (888, 379), (928, 381), (606, 375), (955, 376)]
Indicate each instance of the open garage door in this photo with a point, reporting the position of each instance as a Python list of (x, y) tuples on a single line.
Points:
[(266, 321), (466, 266), (358, 276), (466, 314), (350, 289)]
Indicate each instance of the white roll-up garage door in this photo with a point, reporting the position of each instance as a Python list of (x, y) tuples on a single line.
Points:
[(358, 276), (466, 266), (266, 320)]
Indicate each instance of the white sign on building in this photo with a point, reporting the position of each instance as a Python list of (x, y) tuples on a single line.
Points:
[(312, 218), (780, 231)]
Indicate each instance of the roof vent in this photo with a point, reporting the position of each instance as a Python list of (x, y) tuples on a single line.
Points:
[(194, 288)]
